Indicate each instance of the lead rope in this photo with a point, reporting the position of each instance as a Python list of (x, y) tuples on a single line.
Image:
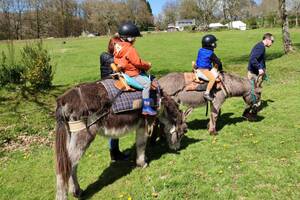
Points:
[(253, 97)]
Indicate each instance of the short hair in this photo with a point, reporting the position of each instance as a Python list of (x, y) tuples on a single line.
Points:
[(268, 36)]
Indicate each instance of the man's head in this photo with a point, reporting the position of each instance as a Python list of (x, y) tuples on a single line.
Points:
[(268, 39)]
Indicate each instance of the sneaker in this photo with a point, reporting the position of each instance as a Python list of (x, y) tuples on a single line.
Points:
[(208, 97), (118, 156)]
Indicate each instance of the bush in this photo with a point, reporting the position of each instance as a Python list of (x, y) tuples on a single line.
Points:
[(38, 70), (252, 23), (10, 71)]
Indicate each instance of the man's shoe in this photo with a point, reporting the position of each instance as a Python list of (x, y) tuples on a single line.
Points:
[(118, 156), (208, 97)]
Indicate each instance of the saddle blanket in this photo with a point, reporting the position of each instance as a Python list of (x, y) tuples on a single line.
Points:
[(125, 101)]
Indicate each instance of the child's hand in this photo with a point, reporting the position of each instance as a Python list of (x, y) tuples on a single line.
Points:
[(150, 64)]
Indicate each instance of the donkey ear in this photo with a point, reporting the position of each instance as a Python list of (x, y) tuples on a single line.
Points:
[(187, 112)]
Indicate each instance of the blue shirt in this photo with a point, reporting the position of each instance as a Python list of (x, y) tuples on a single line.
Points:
[(257, 58), (204, 58)]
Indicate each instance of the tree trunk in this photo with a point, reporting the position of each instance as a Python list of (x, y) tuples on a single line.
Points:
[(287, 43), (296, 19)]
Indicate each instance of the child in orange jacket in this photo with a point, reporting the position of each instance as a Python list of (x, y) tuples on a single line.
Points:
[(127, 58)]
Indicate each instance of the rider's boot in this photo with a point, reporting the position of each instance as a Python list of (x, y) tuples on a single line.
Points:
[(147, 109), (207, 96)]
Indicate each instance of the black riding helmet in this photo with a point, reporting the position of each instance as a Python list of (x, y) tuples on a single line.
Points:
[(209, 41), (129, 29)]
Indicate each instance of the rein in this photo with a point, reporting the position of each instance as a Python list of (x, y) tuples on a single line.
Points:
[(253, 97)]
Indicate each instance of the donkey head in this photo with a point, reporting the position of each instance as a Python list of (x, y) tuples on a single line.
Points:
[(173, 120), (253, 97)]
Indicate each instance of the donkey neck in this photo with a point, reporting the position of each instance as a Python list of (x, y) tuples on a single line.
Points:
[(237, 86)]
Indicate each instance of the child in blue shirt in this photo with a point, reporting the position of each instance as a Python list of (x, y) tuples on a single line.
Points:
[(208, 64)]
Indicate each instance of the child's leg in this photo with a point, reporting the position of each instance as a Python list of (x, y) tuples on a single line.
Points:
[(211, 79), (145, 83)]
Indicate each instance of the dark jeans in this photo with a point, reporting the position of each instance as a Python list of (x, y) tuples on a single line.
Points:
[(113, 144)]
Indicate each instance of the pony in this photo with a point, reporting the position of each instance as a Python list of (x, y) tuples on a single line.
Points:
[(174, 84), (85, 110)]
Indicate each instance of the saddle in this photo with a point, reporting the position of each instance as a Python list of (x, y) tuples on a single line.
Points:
[(194, 83), (125, 83), (126, 93)]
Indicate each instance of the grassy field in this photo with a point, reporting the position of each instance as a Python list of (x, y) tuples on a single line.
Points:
[(247, 160)]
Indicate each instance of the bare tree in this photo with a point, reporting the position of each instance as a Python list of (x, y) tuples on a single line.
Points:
[(208, 7), (5, 25), (170, 10), (235, 9), (295, 7), (287, 43)]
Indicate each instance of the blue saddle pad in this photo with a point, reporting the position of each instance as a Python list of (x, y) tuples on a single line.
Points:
[(126, 101)]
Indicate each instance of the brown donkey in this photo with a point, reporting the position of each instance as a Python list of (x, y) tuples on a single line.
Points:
[(86, 110), (174, 84)]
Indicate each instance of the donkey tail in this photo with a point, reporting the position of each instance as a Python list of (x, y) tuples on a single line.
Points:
[(63, 163)]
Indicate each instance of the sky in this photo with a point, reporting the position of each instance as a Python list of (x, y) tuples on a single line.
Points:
[(157, 5)]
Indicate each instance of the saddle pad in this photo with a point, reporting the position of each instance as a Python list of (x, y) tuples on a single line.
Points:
[(125, 101)]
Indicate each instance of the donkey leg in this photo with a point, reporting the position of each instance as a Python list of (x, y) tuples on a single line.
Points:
[(215, 109), (141, 142), (79, 142), (61, 188)]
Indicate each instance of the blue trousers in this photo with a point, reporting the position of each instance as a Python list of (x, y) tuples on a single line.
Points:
[(113, 144)]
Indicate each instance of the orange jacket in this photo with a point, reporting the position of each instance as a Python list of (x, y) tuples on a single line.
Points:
[(127, 58)]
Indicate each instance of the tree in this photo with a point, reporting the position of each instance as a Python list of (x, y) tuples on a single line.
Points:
[(5, 25), (295, 7), (140, 13), (208, 8), (189, 9), (287, 43), (170, 10)]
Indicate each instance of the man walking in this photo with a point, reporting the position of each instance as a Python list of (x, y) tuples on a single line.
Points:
[(257, 63)]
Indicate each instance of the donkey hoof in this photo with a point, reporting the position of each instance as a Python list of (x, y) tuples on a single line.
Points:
[(250, 117), (77, 193), (142, 164), (213, 132)]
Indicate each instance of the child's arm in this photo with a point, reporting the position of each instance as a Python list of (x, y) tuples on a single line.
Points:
[(134, 58), (216, 61)]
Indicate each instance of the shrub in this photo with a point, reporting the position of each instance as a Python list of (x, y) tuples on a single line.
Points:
[(38, 70), (10, 71)]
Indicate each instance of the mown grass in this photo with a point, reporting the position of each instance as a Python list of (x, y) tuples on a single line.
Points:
[(248, 160)]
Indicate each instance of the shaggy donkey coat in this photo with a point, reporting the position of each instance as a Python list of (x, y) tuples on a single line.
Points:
[(84, 100)]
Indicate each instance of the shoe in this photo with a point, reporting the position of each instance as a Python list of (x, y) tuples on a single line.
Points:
[(208, 97), (147, 109), (116, 155)]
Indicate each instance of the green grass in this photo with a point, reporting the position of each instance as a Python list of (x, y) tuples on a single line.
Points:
[(247, 160)]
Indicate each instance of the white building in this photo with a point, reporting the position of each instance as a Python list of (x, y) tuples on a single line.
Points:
[(237, 25), (216, 25), (180, 24)]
